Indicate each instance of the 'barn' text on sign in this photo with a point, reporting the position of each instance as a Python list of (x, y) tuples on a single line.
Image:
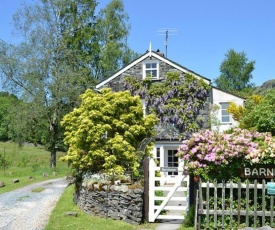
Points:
[(259, 171)]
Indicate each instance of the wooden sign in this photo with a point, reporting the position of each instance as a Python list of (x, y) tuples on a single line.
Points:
[(258, 171)]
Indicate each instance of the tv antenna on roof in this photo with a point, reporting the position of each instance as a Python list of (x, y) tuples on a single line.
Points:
[(166, 32)]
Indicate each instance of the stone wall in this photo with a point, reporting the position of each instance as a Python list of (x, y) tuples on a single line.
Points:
[(118, 202), (137, 71), (117, 84)]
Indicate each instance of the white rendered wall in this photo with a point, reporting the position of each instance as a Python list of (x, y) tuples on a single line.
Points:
[(218, 97)]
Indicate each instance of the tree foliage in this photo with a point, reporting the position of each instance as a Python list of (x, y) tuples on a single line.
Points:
[(236, 72), (105, 132), (112, 29), (176, 100), (236, 111), (7, 105), (58, 59), (93, 38), (259, 113)]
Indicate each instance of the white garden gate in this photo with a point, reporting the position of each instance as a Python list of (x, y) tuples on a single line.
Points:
[(174, 202)]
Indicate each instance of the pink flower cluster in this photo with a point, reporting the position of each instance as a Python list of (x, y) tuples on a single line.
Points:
[(211, 148)]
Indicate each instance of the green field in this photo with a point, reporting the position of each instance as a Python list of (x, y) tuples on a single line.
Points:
[(27, 164)]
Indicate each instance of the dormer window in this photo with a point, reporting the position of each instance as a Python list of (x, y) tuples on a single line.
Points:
[(151, 69)]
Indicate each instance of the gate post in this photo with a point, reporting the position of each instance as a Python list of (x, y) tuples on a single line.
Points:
[(191, 191), (146, 189)]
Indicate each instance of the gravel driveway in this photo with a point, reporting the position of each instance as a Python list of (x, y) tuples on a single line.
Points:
[(22, 209)]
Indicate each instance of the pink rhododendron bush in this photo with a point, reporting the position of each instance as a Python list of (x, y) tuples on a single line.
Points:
[(212, 155)]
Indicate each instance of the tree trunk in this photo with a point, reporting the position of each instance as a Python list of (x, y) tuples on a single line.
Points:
[(53, 136), (53, 158)]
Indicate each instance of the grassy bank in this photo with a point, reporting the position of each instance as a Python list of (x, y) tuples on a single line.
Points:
[(83, 221), (28, 164)]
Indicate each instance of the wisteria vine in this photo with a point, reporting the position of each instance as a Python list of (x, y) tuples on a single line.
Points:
[(176, 100)]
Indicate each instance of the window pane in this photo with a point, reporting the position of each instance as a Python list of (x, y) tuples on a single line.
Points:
[(225, 119), (224, 105), (158, 152), (153, 65), (148, 73), (158, 162), (148, 65), (224, 113), (154, 73)]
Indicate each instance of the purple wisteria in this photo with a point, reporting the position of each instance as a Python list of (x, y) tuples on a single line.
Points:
[(176, 100)]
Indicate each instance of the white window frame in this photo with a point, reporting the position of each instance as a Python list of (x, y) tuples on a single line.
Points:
[(225, 115), (156, 68)]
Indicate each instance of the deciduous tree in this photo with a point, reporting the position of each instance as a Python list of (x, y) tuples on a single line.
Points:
[(236, 72), (7, 103), (112, 29), (57, 60)]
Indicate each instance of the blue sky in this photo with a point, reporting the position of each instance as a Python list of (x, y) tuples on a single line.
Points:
[(205, 31)]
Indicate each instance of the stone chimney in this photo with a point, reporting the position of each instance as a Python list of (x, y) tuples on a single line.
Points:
[(160, 53)]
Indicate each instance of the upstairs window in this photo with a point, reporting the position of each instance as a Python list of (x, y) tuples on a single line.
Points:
[(151, 69), (225, 115)]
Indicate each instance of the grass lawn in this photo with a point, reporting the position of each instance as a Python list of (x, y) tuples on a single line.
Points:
[(185, 228), (27, 161), (83, 221)]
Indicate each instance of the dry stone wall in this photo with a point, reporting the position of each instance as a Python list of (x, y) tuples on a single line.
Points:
[(118, 202)]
